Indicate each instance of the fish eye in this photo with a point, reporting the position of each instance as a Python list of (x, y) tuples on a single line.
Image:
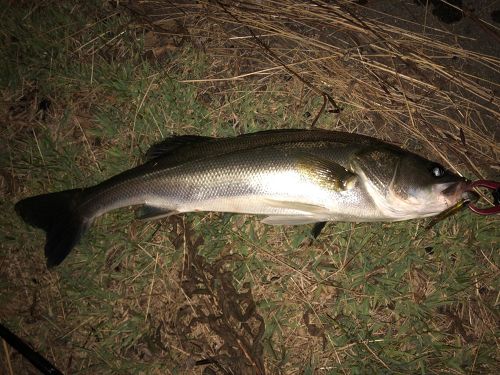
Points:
[(437, 171)]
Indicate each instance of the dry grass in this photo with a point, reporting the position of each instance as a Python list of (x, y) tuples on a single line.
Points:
[(389, 82), (213, 293)]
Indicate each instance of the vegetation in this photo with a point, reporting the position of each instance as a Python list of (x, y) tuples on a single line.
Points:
[(87, 86)]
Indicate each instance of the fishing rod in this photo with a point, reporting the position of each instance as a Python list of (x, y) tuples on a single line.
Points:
[(36, 359)]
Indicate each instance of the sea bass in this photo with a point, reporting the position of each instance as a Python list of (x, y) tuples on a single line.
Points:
[(291, 176)]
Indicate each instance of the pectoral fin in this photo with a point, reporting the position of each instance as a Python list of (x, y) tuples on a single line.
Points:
[(327, 173), (148, 212)]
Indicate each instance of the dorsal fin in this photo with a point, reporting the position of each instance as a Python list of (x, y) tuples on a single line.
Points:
[(178, 150), (170, 144)]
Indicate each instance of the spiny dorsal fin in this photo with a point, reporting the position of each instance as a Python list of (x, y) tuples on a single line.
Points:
[(171, 144)]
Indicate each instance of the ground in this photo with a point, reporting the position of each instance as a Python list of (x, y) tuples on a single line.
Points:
[(86, 88)]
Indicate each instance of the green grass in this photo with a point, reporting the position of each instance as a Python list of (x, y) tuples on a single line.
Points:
[(382, 298)]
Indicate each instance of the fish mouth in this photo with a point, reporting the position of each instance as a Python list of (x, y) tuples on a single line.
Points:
[(470, 196), (456, 191)]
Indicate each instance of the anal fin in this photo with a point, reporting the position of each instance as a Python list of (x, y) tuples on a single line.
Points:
[(148, 212)]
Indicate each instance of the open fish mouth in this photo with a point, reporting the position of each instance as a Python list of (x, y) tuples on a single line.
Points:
[(467, 197), (454, 191), (470, 196)]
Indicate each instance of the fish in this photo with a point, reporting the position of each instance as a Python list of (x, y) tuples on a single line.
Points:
[(292, 176)]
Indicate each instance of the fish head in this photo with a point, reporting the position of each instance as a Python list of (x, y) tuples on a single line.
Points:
[(406, 186)]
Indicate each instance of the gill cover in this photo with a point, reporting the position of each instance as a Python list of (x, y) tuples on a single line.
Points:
[(379, 166)]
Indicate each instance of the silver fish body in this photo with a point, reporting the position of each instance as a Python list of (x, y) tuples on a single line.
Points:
[(291, 176)]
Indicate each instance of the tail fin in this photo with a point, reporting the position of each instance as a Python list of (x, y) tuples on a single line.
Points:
[(57, 215)]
